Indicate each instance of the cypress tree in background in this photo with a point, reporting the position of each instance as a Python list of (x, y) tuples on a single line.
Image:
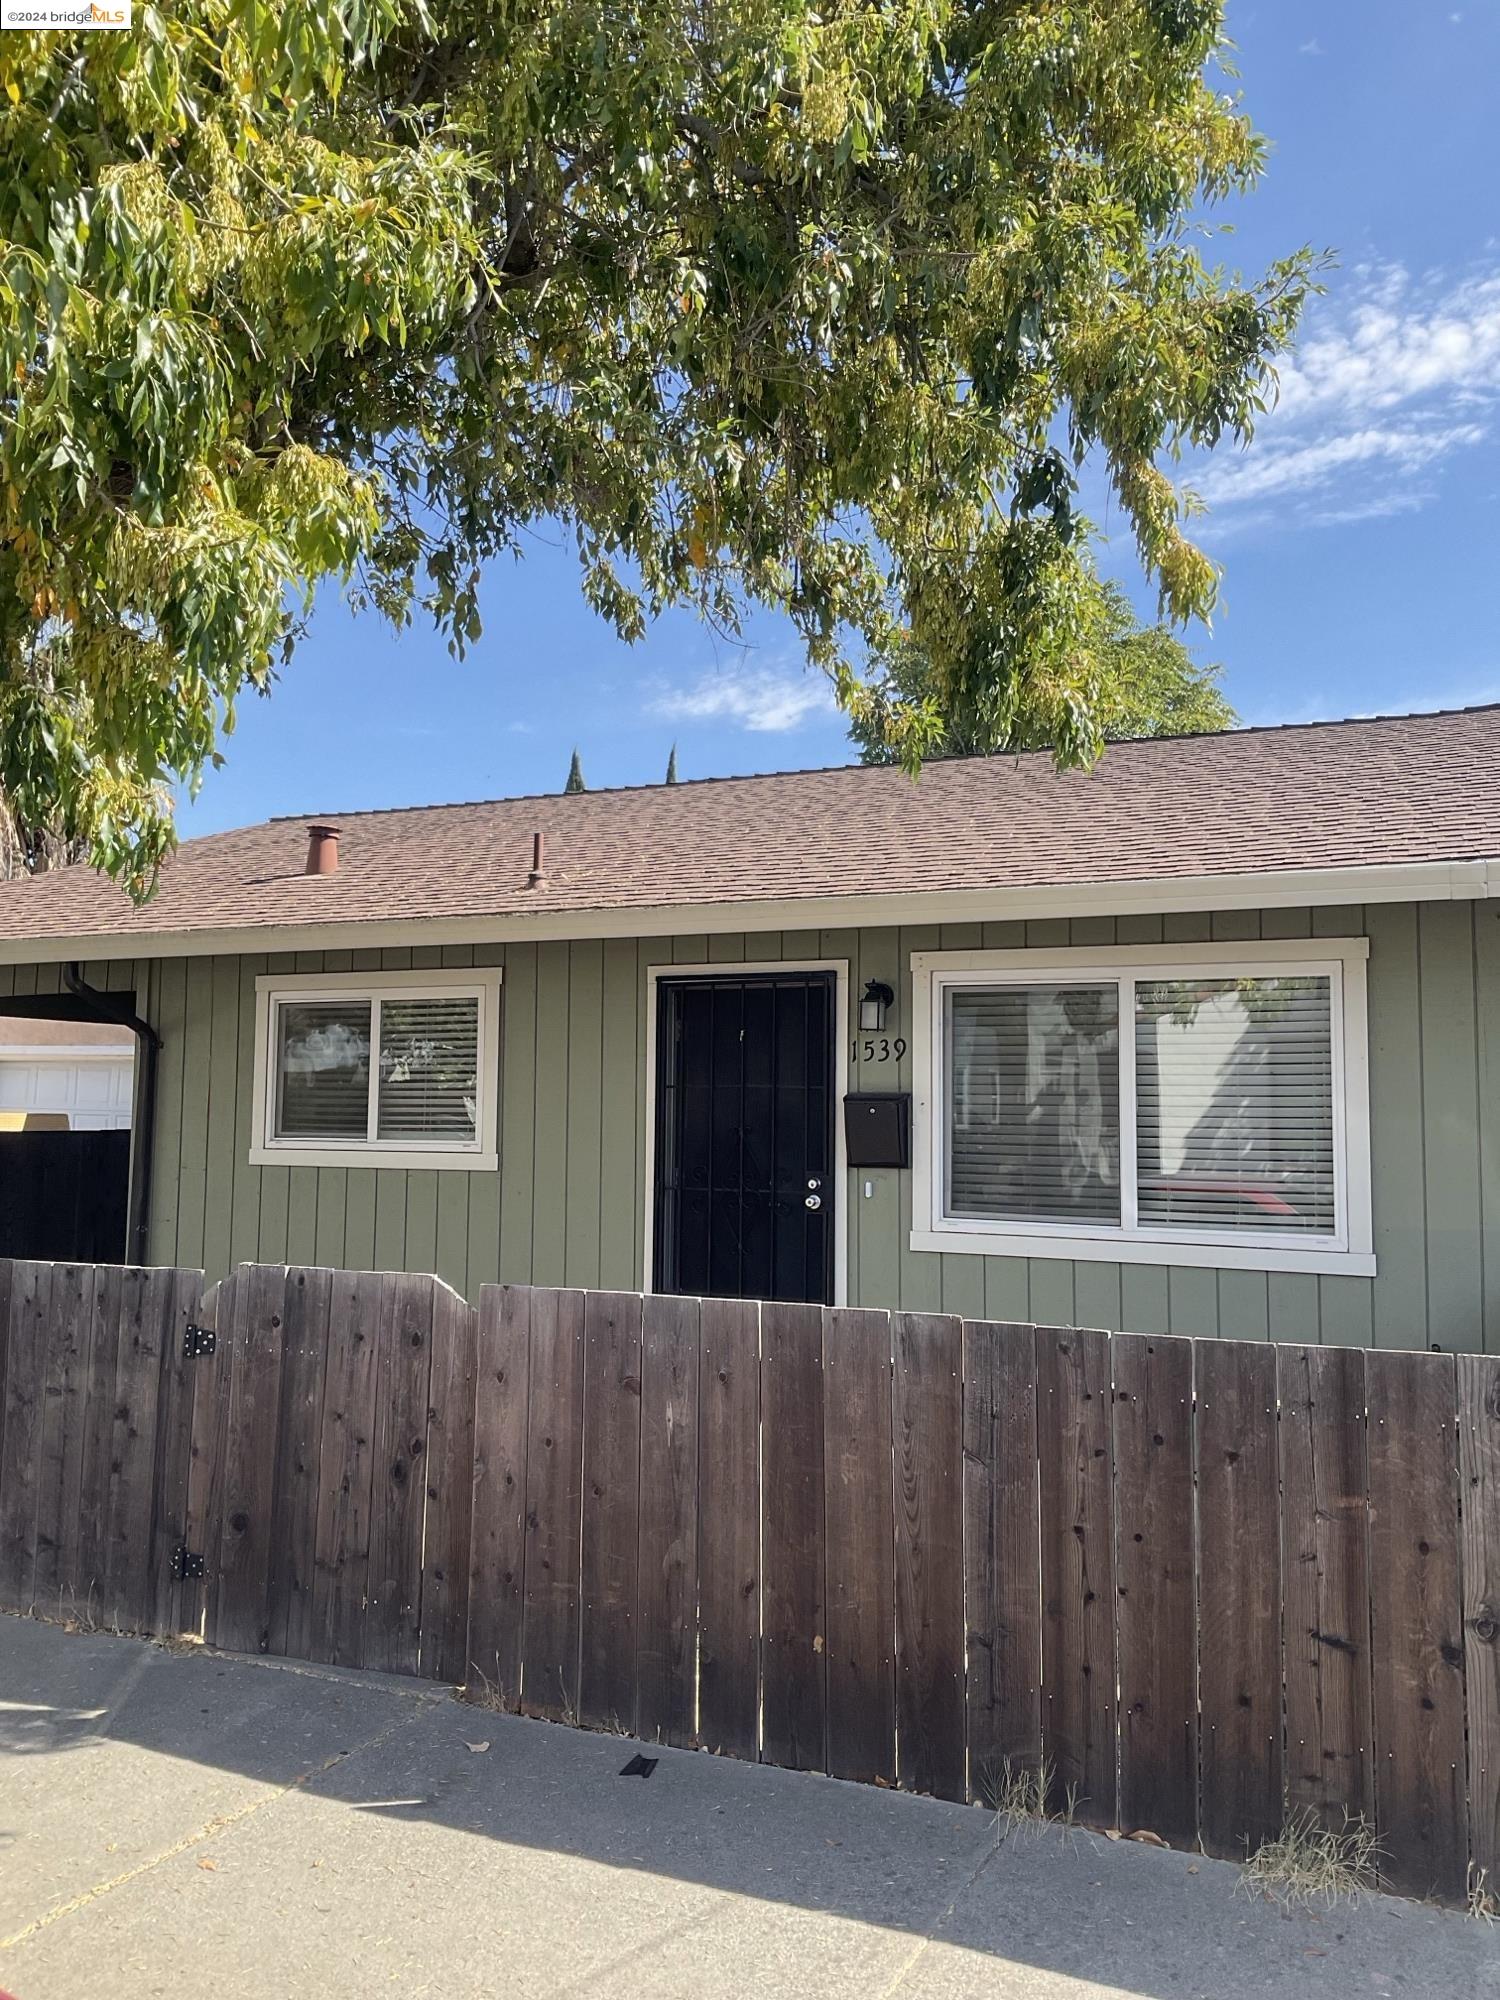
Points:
[(672, 766), (575, 776)]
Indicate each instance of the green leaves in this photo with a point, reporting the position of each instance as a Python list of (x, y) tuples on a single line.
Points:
[(818, 311)]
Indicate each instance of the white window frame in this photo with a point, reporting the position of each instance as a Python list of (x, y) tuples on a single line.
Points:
[(272, 990), (1348, 1252)]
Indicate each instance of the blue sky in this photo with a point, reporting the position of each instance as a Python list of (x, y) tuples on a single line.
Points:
[(1360, 536)]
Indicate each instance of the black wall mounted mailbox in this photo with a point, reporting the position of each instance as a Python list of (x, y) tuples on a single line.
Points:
[(877, 1130)]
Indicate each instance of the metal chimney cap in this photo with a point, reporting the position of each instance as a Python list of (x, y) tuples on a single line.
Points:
[(322, 850)]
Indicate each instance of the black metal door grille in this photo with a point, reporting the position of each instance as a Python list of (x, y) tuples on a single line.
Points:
[(744, 1136)]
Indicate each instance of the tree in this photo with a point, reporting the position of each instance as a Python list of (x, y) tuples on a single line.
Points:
[(31, 850), (672, 766), (575, 776), (812, 310), (1137, 681)]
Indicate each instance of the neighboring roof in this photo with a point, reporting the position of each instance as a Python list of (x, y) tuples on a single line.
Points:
[(1366, 794), (16, 1033)]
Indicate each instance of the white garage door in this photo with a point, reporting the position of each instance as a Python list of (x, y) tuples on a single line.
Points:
[(92, 1091)]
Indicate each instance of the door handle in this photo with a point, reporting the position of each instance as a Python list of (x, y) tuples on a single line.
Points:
[(812, 1201)]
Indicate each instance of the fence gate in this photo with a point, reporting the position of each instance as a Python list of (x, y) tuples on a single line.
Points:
[(327, 1501)]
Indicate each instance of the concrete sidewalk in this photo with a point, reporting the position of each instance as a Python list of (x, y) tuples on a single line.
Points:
[(196, 1823)]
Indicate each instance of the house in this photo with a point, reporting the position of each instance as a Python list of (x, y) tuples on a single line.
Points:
[(1206, 1040)]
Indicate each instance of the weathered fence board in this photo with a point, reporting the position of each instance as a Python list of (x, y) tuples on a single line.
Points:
[(1479, 1492), (307, 1305), (1002, 1556), (65, 1396), (795, 1688), (667, 1580), (448, 1464), (729, 1514), (1416, 1623), (927, 1420), (174, 1451), (1326, 1566), (860, 1579), (341, 1542), (497, 1552), (554, 1510), (147, 1298), (1075, 1462), (1239, 1606), (611, 1508), (241, 1536), (393, 1612), (1156, 1614), (904, 1549), (29, 1325), (91, 1590)]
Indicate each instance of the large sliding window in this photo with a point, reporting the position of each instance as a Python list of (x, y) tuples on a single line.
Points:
[(377, 1069), (1201, 1105)]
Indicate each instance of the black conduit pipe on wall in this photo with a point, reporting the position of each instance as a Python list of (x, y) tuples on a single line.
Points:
[(116, 1009)]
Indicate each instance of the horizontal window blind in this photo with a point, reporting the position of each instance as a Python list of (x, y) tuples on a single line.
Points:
[(429, 1061), (1234, 1104), (1034, 1103), (323, 1069)]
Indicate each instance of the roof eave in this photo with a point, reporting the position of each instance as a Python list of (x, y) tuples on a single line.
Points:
[(1405, 882)]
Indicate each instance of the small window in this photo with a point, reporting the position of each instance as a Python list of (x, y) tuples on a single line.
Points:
[(392, 1068), (1203, 1108)]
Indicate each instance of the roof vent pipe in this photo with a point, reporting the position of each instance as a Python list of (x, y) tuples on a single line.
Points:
[(538, 873), (322, 850)]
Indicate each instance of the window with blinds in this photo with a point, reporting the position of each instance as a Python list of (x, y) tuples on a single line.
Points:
[(1234, 1104), (323, 1070), (394, 1067), (1216, 1119), (1035, 1102), (429, 1059)]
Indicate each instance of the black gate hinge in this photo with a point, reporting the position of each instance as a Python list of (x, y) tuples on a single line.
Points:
[(198, 1340), (185, 1565)]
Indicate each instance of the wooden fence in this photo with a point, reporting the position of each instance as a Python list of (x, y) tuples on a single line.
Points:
[(1203, 1584)]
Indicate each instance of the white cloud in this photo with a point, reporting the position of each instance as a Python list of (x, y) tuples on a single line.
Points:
[(1394, 377), (1318, 463), (768, 700), (1312, 48), (1397, 344)]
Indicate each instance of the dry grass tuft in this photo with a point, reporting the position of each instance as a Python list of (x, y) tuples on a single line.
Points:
[(1018, 1796), (180, 1642), (1483, 1901), (484, 1693), (1308, 1863)]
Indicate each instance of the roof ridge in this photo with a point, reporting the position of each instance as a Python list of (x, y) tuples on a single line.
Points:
[(832, 770)]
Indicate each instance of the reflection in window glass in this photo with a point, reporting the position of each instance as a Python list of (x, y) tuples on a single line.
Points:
[(1034, 1103), (1234, 1096), (429, 1059), (323, 1069)]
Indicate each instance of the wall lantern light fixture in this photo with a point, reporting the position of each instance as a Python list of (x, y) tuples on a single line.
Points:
[(878, 997)]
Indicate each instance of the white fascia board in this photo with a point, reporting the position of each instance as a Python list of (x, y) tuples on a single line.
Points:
[(1409, 882)]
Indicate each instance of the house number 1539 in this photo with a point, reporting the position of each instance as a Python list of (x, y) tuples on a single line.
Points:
[(880, 1048)]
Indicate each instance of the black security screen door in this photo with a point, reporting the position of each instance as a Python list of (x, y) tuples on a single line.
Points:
[(744, 1137)]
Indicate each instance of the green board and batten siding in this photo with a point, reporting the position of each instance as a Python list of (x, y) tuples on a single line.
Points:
[(568, 1203)]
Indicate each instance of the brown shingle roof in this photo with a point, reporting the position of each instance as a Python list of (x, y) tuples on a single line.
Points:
[(1324, 795)]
